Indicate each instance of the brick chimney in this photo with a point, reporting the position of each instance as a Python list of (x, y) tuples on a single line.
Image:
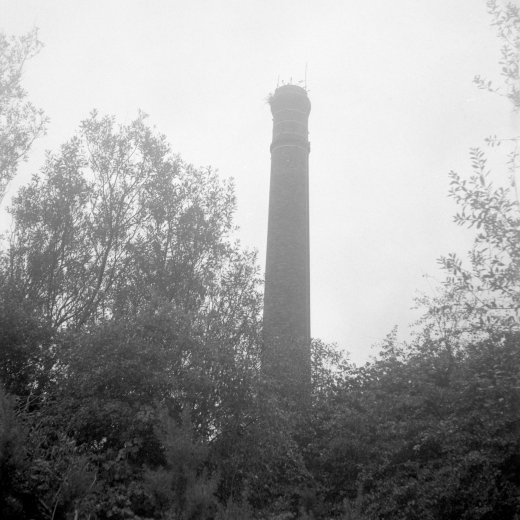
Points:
[(286, 355)]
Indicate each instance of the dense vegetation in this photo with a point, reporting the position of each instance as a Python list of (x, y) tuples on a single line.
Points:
[(130, 326)]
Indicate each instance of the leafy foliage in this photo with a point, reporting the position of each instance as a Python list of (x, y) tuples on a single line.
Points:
[(506, 19), (126, 305), (20, 121)]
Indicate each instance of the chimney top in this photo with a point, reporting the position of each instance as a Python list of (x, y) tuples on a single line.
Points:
[(290, 97)]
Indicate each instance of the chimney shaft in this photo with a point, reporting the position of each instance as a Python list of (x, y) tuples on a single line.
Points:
[(286, 356)]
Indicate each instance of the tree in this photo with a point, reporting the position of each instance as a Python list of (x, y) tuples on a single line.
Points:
[(419, 437), (117, 222), (506, 20), (20, 121), (482, 296), (430, 428), (142, 310)]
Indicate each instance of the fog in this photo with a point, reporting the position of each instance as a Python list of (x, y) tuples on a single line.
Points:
[(393, 110)]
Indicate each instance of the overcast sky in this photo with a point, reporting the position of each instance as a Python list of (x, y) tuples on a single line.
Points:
[(393, 110)]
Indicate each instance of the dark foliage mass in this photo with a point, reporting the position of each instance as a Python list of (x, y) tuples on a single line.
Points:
[(130, 341)]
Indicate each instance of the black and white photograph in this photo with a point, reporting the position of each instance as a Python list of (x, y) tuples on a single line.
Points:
[(259, 260)]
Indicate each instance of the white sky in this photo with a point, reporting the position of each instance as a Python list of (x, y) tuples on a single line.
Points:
[(393, 110)]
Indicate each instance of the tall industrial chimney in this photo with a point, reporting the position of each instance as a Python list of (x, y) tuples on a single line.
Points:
[(286, 356)]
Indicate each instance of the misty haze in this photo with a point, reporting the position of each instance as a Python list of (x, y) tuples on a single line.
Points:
[(259, 260)]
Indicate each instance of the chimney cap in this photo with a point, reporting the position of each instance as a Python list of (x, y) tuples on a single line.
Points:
[(290, 97)]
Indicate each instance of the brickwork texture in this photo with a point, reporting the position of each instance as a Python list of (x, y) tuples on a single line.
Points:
[(286, 357)]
